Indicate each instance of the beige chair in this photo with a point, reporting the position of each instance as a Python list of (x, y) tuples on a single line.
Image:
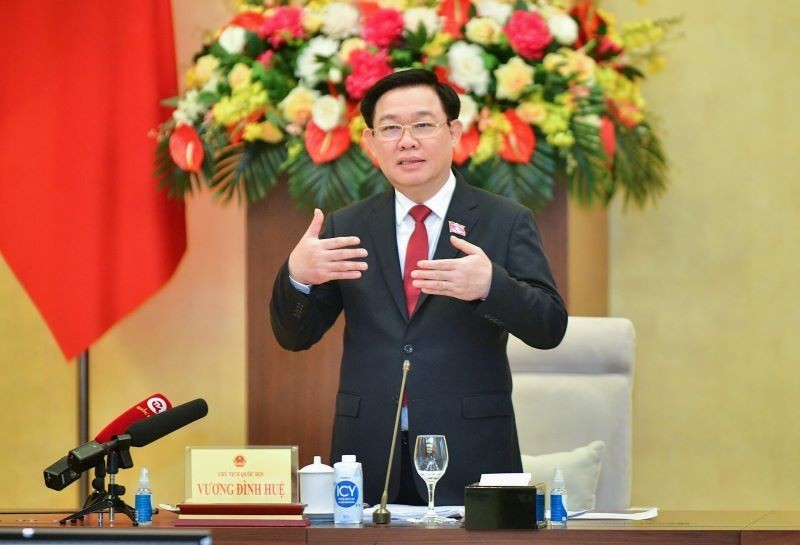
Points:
[(577, 393)]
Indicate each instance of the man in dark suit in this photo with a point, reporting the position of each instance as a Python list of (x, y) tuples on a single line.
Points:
[(441, 284)]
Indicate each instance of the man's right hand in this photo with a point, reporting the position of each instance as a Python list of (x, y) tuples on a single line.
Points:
[(316, 261)]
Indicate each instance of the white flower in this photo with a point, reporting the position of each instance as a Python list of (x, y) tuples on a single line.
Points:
[(563, 28), (469, 111), (232, 39), (467, 69), (498, 11), (335, 75), (327, 112), (308, 66), (340, 20), (189, 109), (427, 17)]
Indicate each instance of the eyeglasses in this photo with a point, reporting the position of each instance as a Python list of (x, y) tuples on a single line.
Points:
[(420, 129)]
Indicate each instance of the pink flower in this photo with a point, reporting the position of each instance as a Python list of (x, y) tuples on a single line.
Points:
[(266, 57), (367, 69), (528, 34), (383, 27), (284, 25)]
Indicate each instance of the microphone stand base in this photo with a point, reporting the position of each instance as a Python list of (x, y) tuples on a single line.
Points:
[(381, 516)]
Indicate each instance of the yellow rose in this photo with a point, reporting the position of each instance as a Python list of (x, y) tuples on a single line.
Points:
[(555, 62), (350, 45), (239, 76), (512, 78), (202, 70), (296, 107), (483, 31), (311, 21), (532, 112), (266, 131), (581, 64)]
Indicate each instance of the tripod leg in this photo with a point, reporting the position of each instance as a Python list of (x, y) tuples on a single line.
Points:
[(123, 507), (100, 504)]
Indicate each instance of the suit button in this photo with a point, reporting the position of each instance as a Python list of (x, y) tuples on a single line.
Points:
[(408, 349)]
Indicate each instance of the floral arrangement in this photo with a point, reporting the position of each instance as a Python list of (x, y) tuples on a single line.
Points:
[(549, 91)]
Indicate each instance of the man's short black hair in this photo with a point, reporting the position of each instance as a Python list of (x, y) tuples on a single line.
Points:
[(414, 77)]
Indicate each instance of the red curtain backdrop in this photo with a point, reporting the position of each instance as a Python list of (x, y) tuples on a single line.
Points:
[(82, 225)]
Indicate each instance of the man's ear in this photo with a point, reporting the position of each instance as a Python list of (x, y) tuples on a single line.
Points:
[(367, 135), (456, 129)]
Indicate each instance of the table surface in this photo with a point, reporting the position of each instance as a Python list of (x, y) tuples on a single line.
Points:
[(670, 527)]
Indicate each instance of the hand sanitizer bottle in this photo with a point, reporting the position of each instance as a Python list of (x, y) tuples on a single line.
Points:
[(143, 503), (558, 500)]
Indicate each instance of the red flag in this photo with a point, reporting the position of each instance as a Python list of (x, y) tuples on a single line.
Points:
[(82, 225)]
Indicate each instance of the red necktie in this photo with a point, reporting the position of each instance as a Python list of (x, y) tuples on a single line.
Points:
[(417, 250)]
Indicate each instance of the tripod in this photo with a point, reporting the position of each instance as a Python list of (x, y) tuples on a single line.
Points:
[(100, 500)]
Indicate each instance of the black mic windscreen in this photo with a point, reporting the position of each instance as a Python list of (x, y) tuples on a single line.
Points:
[(157, 426)]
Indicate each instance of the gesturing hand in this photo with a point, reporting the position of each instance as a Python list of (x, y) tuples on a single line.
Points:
[(468, 278), (316, 261)]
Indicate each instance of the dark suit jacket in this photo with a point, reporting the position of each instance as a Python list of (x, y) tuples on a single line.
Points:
[(459, 384)]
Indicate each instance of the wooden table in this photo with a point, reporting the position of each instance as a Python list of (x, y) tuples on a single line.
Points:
[(670, 527)]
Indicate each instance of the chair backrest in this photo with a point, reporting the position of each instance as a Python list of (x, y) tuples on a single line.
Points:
[(577, 393)]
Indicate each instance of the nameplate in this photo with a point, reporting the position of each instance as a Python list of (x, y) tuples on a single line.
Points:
[(253, 474)]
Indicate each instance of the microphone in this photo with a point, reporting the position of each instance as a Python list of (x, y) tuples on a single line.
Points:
[(381, 515), (153, 404), (68, 468), (59, 475), (157, 426)]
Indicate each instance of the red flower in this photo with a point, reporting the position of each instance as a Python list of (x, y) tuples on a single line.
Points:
[(591, 26), (608, 138), (249, 20), (456, 15), (324, 147), (518, 145), (186, 149), (284, 25), (467, 145), (528, 34), (383, 27), (367, 69)]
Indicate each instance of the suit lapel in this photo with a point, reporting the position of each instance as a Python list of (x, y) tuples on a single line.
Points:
[(384, 238)]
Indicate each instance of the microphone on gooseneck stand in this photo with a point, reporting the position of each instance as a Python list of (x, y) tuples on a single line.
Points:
[(382, 515)]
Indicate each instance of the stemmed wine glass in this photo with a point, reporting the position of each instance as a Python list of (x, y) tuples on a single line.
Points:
[(430, 459)]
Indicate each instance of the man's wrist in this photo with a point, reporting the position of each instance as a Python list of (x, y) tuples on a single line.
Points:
[(299, 286)]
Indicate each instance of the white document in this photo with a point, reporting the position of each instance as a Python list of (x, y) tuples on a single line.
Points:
[(634, 513), (404, 512)]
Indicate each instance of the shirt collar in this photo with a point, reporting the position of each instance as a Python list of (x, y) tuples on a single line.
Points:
[(438, 203)]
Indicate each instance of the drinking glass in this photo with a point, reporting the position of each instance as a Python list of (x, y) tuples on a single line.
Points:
[(430, 459)]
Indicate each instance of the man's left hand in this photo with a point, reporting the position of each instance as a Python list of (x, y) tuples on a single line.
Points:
[(468, 278)]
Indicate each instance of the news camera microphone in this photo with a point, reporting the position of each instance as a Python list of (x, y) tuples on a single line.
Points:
[(59, 475), (153, 404), (157, 426), (382, 515), (68, 469)]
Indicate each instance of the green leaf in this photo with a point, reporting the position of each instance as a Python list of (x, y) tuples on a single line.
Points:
[(329, 185)]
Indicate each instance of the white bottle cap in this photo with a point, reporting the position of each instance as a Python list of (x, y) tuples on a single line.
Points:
[(349, 458), (144, 478), (317, 467), (558, 475)]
